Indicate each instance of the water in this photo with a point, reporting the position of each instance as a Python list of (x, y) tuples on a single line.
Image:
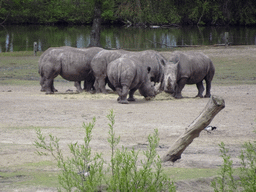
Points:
[(21, 38)]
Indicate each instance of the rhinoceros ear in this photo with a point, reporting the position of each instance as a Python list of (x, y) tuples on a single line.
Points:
[(160, 60), (149, 69)]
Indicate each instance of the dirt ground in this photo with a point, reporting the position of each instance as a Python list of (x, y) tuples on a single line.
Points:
[(23, 108)]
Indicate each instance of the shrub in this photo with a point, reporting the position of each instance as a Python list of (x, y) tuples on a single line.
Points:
[(82, 171), (246, 173)]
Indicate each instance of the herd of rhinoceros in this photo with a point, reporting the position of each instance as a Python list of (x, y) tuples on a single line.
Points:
[(126, 71)]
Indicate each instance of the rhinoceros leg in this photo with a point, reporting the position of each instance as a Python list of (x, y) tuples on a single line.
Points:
[(88, 86), (200, 88), (100, 85), (180, 85), (122, 92), (49, 88), (77, 84), (42, 80), (131, 95), (208, 88), (110, 85)]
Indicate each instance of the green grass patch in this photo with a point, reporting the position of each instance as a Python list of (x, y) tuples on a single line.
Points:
[(234, 70), (31, 175), (39, 165), (18, 67), (27, 178), (178, 174), (181, 174), (19, 82), (19, 54)]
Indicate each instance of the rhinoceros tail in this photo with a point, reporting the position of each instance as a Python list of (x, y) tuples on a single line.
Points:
[(40, 70)]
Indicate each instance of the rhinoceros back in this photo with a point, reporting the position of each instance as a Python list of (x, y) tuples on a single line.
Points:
[(195, 66)]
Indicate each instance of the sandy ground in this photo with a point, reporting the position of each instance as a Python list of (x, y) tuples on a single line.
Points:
[(24, 108)]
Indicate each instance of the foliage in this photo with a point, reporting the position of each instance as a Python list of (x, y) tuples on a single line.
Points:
[(246, 180), (73, 170), (83, 172), (200, 12), (226, 180)]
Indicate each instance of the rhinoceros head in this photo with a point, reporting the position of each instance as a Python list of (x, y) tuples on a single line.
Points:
[(170, 77), (148, 89)]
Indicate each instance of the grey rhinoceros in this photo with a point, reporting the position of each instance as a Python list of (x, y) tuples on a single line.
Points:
[(152, 59), (99, 66), (149, 58), (127, 75), (72, 64), (188, 68)]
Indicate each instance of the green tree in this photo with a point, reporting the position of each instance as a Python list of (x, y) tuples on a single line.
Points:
[(136, 12)]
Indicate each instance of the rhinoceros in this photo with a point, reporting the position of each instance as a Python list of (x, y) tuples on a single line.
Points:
[(127, 75), (99, 66), (72, 64), (188, 68), (149, 58), (152, 59)]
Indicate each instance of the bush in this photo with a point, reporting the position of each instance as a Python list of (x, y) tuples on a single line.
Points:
[(82, 171), (246, 180)]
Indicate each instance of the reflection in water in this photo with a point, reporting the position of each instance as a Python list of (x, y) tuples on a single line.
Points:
[(117, 43), (39, 45), (9, 43), (67, 41), (7, 40), (108, 42), (21, 38), (80, 42)]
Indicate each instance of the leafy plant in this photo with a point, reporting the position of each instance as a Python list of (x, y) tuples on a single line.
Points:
[(246, 173), (225, 182), (82, 171), (126, 176)]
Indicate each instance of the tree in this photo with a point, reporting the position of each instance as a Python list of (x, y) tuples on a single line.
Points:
[(96, 26)]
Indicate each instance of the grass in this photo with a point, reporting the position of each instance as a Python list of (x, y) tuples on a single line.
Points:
[(33, 174), (234, 71), (27, 178)]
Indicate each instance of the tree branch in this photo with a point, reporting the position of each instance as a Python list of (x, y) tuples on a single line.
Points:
[(5, 19), (214, 106)]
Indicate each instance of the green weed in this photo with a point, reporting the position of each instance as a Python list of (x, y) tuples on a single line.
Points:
[(242, 179), (84, 171)]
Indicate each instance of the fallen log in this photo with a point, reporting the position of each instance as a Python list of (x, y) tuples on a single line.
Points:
[(214, 106), (224, 44)]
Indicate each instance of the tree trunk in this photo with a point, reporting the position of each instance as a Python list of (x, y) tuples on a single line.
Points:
[(214, 106), (138, 5), (96, 25)]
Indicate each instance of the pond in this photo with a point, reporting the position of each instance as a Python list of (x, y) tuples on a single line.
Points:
[(21, 38)]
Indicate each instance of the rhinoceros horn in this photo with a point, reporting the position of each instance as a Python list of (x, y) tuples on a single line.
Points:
[(158, 88)]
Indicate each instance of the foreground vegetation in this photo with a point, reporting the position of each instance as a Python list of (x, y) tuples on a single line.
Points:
[(245, 177), (186, 12), (83, 171)]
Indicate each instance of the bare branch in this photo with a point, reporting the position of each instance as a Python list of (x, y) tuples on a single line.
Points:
[(214, 106), (5, 19)]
